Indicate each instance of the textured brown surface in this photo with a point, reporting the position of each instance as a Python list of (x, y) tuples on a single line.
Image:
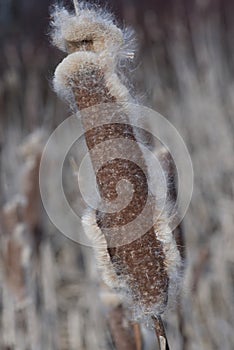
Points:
[(140, 262), (107, 179), (89, 88)]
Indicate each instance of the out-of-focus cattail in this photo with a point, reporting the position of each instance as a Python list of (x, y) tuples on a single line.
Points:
[(20, 218), (146, 268)]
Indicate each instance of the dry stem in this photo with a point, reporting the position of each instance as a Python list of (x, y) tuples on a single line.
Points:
[(76, 6), (160, 333), (138, 336)]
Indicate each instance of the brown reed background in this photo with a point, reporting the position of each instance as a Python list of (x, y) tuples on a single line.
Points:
[(49, 287)]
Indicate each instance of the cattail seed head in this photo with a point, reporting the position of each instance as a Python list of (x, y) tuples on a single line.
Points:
[(146, 269)]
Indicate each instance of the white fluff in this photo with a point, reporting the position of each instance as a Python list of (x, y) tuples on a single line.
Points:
[(99, 244)]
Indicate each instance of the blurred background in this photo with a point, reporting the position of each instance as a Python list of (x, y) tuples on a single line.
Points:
[(49, 288)]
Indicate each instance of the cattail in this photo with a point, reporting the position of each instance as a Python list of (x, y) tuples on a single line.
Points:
[(143, 268), (20, 218)]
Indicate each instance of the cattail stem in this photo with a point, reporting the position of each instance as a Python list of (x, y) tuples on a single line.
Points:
[(120, 331), (160, 333), (76, 6), (138, 336)]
